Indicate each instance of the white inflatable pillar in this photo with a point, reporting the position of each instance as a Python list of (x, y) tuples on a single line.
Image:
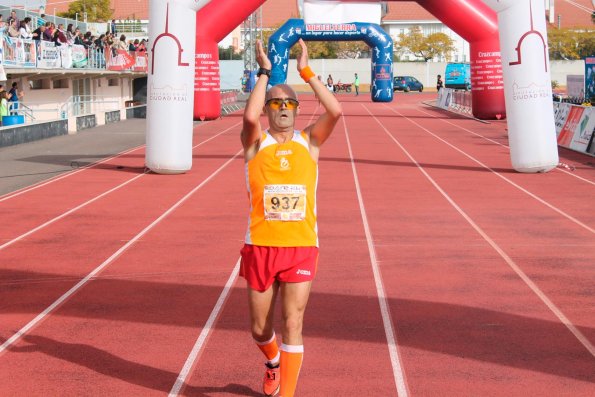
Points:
[(170, 85), (527, 84)]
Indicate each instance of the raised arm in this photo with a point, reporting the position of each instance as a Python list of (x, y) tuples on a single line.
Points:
[(251, 129), (323, 127)]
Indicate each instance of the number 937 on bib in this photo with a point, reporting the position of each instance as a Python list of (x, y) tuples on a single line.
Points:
[(284, 202)]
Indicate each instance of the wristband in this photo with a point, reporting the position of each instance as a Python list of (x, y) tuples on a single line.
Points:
[(307, 73)]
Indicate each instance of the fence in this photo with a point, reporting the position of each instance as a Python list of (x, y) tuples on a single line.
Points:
[(27, 53), (456, 101), (85, 104), (36, 18)]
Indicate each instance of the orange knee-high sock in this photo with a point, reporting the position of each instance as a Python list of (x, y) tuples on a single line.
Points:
[(291, 363), (270, 350)]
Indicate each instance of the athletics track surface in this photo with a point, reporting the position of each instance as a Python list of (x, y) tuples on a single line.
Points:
[(442, 271)]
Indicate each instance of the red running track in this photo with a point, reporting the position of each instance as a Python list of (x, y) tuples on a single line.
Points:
[(442, 271)]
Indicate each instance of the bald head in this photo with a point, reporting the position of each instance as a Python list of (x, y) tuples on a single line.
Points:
[(279, 89)]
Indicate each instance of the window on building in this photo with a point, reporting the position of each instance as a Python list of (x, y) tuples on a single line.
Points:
[(113, 82), (40, 84), (61, 83)]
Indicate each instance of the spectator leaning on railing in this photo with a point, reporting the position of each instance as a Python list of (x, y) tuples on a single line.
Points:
[(39, 33), (24, 31), (12, 29), (121, 44), (60, 36), (88, 40), (142, 47), (47, 32), (13, 17), (70, 34), (78, 37)]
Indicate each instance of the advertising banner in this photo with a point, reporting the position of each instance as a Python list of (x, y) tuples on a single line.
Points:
[(141, 61), (575, 85), (79, 56), (589, 77), (19, 52), (583, 130), (66, 56), (121, 60), (561, 111), (48, 56), (572, 121), (444, 98)]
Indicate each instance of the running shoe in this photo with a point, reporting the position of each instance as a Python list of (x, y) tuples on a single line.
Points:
[(272, 378)]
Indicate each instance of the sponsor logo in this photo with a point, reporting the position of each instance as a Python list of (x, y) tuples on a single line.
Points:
[(331, 27), (382, 73), (168, 93), (283, 152), (531, 91), (303, 272), (284, 164)]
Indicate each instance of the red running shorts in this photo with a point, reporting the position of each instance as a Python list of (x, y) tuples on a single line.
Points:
[(261, 266)]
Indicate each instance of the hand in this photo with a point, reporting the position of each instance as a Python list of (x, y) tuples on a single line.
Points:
[(302, 60), (262, 57)]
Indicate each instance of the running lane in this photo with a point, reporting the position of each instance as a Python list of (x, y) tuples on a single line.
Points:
[(467, 324), (39, 269), (345, 344)]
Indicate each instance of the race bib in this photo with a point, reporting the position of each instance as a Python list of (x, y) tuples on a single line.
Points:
[(284, 202)]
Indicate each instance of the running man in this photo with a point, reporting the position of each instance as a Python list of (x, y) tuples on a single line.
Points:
[(281, 251)]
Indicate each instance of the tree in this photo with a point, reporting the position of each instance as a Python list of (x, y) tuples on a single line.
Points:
[(427, 47), (226, 54), (97, 10), (570, 44), (351, 49)]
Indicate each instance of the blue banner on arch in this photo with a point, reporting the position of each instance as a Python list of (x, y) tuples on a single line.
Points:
[(381, 88)]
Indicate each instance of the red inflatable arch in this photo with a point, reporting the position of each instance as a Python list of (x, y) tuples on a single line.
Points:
[(471, 19), (516, 73)]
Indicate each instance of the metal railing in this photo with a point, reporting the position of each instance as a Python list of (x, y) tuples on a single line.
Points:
[(21, 109), (35, 16), (85, 104)]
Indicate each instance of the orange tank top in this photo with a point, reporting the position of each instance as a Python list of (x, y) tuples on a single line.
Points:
[(282, 180)]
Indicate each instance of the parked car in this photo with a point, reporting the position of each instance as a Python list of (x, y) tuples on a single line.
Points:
[(458, 76), (407, 83)]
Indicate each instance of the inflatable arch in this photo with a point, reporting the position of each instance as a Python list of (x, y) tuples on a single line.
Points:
[(372, 34), (176, 90)]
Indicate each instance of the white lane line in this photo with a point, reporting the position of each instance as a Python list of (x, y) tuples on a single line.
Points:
[(58, 177), (503, 145), (93, 165), (391, 339), (109, 260), (557, 312), (65, 214), (542, 201), (22, 236), (206, 330)]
